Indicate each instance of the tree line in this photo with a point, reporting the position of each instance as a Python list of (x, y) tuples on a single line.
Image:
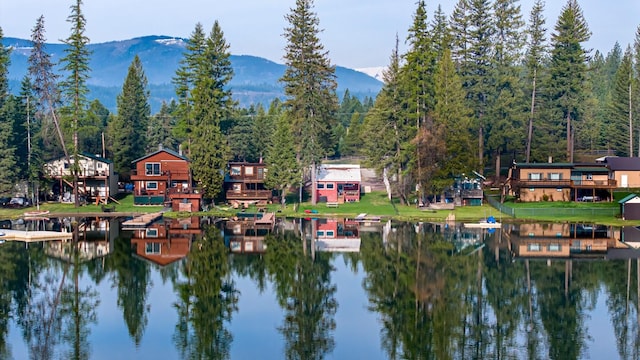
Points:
[(476, 90)]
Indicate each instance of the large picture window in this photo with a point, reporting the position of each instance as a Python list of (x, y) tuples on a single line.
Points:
[(152, 185), (152, 248)]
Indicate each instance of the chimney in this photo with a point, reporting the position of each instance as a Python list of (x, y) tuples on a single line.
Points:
[(180, 149), (550, 159)]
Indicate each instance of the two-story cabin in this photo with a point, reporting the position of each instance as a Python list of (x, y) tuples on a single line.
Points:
[(561, 182), (338, 183), (96, 178), (247, 233), (244, 184), (164, 177)]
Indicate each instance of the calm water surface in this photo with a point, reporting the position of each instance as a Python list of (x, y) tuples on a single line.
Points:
[(326, 288)]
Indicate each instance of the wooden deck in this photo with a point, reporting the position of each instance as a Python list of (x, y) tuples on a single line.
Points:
[(141, 221), (31, 236)]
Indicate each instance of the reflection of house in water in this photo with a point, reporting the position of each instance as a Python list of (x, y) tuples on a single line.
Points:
[(246, 233), (336, 235), (95, 239), (166, 240), (461, 237), (563, 240)]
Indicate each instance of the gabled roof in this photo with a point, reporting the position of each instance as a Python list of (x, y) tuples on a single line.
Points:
[(623, 163), (171, 152), (628, 198), (339, 172)]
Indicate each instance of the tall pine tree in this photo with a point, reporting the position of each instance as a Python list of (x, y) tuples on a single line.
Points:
[(212, 103), (128, 129), (568, 70), (310, 88)]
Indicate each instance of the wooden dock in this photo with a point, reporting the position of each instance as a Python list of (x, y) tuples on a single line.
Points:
[(141, 221), (32, 236)]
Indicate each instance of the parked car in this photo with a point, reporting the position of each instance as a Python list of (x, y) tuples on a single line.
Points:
[(4, 201), (18, 202)]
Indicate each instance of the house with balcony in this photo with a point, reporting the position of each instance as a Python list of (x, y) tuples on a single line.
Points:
[(164, 177), (561, 182), (96, 178), (244, 184), (338, 183)]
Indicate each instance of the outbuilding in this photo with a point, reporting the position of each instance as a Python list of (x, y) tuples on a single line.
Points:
[(630, 207)]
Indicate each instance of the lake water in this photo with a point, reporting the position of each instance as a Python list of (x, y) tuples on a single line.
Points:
[(320, 288)]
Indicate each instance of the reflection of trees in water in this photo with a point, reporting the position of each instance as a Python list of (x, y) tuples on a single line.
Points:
[(131, 277), (58, 312), (207, 297), (304, 290), (435, 305)]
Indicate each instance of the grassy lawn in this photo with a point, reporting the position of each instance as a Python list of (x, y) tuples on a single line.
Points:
[(125, 206), (374, 204), (377, 204)]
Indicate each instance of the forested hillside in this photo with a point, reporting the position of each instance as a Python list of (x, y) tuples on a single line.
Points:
[(476, 90), (255, 80)]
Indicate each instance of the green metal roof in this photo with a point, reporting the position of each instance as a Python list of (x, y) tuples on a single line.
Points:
[(627, 198)]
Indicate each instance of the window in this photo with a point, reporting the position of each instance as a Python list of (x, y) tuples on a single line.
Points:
[(554, 247), (555, 176), (152, 248), (329, 233), (248, 170), (151, 232), (152, 168), (99, 165), (589, 176), (320, 186), (66, 165), (533, 247), (320, 233), (237, 188), (260, 173), (330, 186), (152, 185), (236, 171), (535, 176)]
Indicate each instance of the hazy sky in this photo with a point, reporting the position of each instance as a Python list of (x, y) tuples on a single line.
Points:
[(357, 33)]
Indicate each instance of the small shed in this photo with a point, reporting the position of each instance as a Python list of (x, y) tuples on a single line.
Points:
[(630, 207)]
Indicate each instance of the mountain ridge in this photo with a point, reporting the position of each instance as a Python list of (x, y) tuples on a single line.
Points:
[(256, 79)]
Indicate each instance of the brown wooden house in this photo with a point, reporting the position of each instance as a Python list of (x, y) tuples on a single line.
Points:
[(244, 184), (164, 178)]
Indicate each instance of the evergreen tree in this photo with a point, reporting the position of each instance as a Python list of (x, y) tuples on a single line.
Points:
[(310, 87), (478, 76), (241, 136), (8, 163), (74, 88), (504, 131), (386, 133), (7, 114), (534, 61), (454, 118), (620, 129), (45, 89), (212, 103), (283, 170), (263, 130), (440, 36), (96, 124), (184, 82), (352, 140), (635, 92), (417, 78), (128, 129), (159, 131), (568, 69)]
